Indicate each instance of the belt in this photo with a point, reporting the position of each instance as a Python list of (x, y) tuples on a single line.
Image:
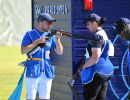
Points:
[(34, 58)]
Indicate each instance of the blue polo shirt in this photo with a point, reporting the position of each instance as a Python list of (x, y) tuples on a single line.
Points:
[(36, 68)]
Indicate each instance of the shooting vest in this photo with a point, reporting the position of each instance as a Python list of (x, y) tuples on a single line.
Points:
[(104, 67), (36, 67)]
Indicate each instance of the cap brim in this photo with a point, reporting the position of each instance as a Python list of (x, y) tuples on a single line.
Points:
[(88, 19), (52, 20), (49, 20)]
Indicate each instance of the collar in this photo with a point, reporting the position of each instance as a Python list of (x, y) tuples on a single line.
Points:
[(99, 28), (40, 32)]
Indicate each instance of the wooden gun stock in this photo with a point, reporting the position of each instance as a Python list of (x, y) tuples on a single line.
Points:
[(75, 76), (66, 34)]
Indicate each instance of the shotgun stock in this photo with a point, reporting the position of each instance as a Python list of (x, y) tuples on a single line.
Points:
[(76, 76)]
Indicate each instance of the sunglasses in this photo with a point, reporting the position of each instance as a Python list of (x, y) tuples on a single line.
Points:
[(49, 23)]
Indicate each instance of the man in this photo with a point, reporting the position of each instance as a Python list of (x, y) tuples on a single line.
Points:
[(122, 28), (40, 72)]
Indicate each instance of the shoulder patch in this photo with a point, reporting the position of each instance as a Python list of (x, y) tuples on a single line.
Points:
[(99, 38)]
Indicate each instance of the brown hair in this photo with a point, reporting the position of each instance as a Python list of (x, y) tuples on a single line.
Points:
[(102, 21)]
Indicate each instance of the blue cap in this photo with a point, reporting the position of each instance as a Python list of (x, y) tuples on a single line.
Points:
[(125, 20), (120, 25), (93, 17), (122, 21), (45, 17)]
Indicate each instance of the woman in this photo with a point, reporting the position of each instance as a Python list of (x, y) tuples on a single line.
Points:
[(40, 73), (97, 69)]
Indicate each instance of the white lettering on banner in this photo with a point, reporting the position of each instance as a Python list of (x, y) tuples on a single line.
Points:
[(37, 10), (51, 9)]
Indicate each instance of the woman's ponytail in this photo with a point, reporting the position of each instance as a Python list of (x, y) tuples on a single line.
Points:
[(102, 21)]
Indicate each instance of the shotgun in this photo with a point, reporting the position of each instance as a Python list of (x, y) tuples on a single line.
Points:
[(74, 78), (76, 35)]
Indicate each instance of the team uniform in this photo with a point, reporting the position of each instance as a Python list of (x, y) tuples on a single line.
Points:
[(39, 73), (122, 28), (95, 78)]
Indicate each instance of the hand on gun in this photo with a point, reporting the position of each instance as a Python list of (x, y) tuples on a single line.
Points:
[(58, 34), (61, 33), (76, 75), (42, 40)]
